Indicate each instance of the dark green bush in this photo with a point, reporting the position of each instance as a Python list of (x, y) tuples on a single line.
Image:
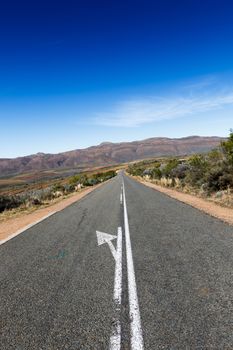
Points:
[(156, 173), (180, 171), (58, 187), (167, 169), (9, 202), (136, 170), (227, 147), (210, 172), (213, 179), (198, 167), (99, 177), (78, 179)]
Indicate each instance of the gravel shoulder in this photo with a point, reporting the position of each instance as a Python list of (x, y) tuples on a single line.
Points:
[(10, 226), (222, 213)]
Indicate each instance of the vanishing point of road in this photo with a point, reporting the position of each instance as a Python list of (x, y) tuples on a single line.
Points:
[(125, 267)]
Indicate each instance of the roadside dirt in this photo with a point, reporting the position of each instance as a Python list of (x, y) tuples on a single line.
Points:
[(14, 224), (222, 213)]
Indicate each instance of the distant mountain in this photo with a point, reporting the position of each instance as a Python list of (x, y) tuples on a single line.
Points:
[(108, 153)]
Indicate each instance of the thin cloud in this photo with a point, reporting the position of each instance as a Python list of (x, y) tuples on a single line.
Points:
[(134, 113)]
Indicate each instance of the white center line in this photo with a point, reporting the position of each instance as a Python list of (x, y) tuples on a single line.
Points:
[(115, 339), (135, 320), (121, 198)]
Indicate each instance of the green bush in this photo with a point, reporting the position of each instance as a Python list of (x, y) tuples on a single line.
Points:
[(210, 172), (167, 169), (213, 179), (197, 171), (227, 147), (9, 202), (58, 187), (99, 177), (78, 179), (135, 170), (156, 173)]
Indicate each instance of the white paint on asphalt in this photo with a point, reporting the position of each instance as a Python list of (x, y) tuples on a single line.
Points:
[(121, 198), (135, 319), (115, 339), (103, 237), (118, 268), (25, 228)]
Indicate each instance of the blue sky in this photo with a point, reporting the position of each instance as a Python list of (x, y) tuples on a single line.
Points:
[(77, 73)]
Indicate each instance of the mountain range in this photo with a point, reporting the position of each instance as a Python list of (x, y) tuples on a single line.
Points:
[(108, 153)]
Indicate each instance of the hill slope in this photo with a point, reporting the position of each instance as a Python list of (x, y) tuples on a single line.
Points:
[(109, 153)]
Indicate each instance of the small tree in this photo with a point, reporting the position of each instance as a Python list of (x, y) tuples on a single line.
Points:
[(167, 170), (227, 147), (198, 168)]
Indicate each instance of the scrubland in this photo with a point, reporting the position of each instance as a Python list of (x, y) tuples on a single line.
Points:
[(209, 175)]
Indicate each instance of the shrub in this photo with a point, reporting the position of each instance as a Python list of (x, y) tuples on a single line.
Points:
[(215, 156), (135, 170), (78, 179), (69, 188), (167, 169), (227, 147), (180, 171), (226, 181), (9, 202), (58, 188), (213, 179), (156, 173), (196, 173)]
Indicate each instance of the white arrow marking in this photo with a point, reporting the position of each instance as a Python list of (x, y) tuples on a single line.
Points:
[(115, 339), (135, 320), (103, 237)]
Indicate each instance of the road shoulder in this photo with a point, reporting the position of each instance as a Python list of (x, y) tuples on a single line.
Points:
[(13, 226), (222, 213)]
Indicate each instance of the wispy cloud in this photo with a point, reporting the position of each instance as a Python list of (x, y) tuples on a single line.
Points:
[(136, 112)]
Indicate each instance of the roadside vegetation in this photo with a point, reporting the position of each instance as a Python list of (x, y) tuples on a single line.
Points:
[(33, 198), (207, 175)]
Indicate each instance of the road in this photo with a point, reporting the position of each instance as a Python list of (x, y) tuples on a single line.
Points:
[(169, 287)]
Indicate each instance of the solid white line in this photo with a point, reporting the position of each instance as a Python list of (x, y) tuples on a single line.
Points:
[(25, 228), (115, 339), (135, 325), (113, 250), (118, 269)]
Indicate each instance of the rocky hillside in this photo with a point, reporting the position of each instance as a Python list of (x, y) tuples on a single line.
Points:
[(109, 153)]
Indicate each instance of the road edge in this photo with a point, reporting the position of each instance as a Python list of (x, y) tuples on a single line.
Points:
[(212, 209), (51, 211)]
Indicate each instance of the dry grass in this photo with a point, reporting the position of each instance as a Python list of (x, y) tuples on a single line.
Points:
[(24, 210), (16, 220), (222, 198)]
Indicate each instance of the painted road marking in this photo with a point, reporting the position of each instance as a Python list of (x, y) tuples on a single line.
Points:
[(115, 339), (121, 195), (103, 237), (135, 319), (25, 228), (121, 198)]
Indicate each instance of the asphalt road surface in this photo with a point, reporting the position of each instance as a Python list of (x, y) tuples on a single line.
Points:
[(158, 274)]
